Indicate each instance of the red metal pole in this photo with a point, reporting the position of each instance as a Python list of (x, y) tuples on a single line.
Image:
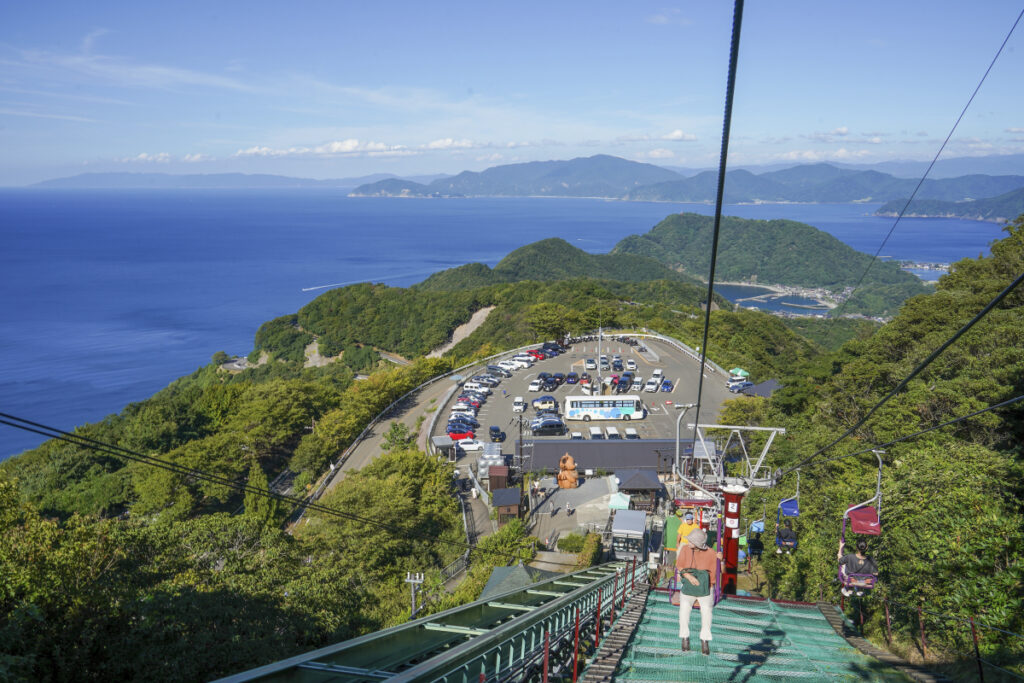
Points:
[(482, 677), (888, 623), (597, 633), (977, 652), (730, 539), (547, 651), (924, 643), (576, 646)]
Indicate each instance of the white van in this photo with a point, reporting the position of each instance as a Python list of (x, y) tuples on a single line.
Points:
[(652, 385), (518, 405), (545, 403), (638, 383), (477, 387), (596, 433), (613, 433), (631, 433), (658, 374)]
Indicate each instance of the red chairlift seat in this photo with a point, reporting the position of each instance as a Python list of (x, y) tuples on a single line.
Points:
[(864, 520)]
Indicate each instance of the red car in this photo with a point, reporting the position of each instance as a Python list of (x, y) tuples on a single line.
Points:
[(539, 355), (470, 401), (459, 436)]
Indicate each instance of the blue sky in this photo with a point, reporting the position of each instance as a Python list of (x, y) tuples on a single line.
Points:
[(341, 89)]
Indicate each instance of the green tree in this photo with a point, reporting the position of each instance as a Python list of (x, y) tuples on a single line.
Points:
[(263, 509)]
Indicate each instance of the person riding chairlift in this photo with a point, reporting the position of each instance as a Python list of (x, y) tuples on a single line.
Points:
[(785, 538), (857, 571)]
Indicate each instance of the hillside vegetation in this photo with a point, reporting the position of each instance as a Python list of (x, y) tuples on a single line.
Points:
[(952, 518), (775, 252)]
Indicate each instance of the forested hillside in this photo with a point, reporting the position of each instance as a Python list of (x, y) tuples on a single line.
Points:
[(997, 209), (952, 519), (775, 252)]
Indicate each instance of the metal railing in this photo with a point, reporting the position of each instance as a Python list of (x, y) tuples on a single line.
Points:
[(504, 637)]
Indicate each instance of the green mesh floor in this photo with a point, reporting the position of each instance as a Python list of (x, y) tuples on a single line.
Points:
[(752, 641)]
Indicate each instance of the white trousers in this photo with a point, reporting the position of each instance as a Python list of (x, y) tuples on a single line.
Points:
[(706, 603)]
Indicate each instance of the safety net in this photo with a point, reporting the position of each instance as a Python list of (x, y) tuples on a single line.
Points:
[(752, 641)]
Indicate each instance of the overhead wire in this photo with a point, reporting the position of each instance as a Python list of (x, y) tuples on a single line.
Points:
[(928, 170), (134, 456), (920, 368), (901, 439), (730, 89)]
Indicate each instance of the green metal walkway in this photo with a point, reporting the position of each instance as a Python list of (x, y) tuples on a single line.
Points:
[(753, 641)]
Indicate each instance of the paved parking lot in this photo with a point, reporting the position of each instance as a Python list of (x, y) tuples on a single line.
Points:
[(661, 413)]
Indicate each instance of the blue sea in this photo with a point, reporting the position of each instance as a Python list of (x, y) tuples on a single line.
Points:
[(110, 295)]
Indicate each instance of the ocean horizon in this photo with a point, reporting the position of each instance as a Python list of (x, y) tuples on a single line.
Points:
[(112, 295)]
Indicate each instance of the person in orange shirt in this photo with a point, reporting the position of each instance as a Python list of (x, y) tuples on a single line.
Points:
[(691, 559)]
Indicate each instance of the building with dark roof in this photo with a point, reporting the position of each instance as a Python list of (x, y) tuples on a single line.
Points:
[(608, 455)]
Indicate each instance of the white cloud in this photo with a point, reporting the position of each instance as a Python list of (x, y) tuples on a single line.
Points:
[(347, 147), (668, 17), (89, 41), (840, 131), (1015, 130), (876, 140), (660, 153), (843, 153), (145, 157), (680, 136), (491, 157), (450, 143), (193, 158), (40, 115)]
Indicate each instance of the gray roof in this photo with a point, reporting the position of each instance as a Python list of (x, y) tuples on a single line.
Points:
[(503, 497), (638, 480), (766, 388), (609, 455), (442, 441)]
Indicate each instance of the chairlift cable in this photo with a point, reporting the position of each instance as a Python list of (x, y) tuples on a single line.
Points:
[(120, 452), (734, 53), (917, 370), (928, 170)]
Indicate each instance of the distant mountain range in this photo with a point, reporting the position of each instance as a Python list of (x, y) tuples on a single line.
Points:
[(215, 181), (600, 176), (999, 209), (614, 178)]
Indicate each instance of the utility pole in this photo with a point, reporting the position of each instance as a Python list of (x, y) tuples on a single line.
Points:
[(414, 580)]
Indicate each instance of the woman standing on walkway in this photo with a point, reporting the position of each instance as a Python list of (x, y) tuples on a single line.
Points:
[(697, 564)]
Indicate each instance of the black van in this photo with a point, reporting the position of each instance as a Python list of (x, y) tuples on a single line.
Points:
[(550, 428)]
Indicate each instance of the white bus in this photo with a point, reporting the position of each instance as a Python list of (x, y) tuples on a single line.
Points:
[(617, 407)]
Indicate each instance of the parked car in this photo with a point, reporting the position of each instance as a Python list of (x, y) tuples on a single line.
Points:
[(467, 420), (658, 373), (613, 433), (559, 377), (497, 436), (461, 426), (471, 444), (590, 364), (487, 380), (510, 365), (585, 377), (572, 378), (666, 385), (596, 434), (630, 364), (545, 403), (539, 355), (652, 385), (638, 383), (631, 433), (468, 401), (617, 365), (550, 384), (550, 428), (576, 436), (536, 385), (499, 371), (737, 388), (459, 436), (518, 404)]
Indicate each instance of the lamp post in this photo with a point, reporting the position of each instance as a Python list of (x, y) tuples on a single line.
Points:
[(683, 408)]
